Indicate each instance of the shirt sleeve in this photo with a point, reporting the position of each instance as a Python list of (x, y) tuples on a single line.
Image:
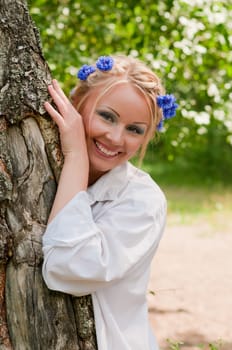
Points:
[(82, 255)]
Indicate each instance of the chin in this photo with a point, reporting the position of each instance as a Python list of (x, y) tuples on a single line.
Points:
[(104, 166)]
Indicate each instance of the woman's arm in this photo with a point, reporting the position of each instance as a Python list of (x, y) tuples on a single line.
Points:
[(83, 254), (75, 171)]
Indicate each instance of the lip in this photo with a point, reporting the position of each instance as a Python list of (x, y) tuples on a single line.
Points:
[(109, 152)]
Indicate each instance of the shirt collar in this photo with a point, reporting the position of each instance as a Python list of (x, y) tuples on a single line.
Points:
[(108, 186)]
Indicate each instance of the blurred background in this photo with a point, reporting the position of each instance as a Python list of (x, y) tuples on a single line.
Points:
[(189, 45)]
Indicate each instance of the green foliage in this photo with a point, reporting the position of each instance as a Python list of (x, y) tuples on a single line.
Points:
[(188, 43), (173, 345), (176, 345)]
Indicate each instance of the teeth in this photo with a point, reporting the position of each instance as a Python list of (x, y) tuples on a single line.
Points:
[(105, 151)]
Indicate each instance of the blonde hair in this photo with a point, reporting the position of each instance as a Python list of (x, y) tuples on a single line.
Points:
[(125, 69)]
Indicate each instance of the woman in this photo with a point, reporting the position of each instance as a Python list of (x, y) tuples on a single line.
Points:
[(108, 216)]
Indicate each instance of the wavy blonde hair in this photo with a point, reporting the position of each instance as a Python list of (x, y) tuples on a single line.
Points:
[(125, 69)]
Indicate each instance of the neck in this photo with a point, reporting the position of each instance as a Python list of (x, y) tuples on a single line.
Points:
[(94, 176)]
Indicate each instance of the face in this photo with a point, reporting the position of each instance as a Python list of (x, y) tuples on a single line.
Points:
[(115, 127)]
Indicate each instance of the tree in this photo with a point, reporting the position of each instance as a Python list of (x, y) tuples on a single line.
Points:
[(31, 316)]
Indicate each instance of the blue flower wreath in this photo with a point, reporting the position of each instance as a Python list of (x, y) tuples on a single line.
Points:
[(85, 71), (104, 63), (168, 105)]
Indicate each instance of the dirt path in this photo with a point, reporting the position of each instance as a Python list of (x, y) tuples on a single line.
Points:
[(192, 279)]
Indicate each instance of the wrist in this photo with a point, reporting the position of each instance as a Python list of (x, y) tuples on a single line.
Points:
[(71, 156), (74, 161), (78, 155)]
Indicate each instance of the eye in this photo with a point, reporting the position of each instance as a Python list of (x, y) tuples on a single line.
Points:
[(108, 116), (136, 129)]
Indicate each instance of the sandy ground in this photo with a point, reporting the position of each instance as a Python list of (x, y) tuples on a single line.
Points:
[(192, 280)]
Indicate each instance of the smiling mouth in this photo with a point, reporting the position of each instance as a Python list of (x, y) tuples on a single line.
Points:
[(104, 151)]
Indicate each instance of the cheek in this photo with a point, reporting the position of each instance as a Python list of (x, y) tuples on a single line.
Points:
[(92, 126), (87, 118), (86, 123), (134, 145)]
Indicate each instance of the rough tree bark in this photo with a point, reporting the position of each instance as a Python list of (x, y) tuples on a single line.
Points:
[(31, 316)]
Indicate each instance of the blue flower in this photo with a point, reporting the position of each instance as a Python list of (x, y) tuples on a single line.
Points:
[(105, 63), (160, 125), (166, 101), (168, 105), (85, 71), (170, 112)]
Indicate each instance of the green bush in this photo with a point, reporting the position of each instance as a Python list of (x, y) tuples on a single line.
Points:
[(188, 43)]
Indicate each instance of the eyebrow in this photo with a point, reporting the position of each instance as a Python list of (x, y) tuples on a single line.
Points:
[(115, 112), (119, 115)]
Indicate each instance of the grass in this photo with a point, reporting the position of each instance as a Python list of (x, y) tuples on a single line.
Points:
[(187, 205), (191, 195), (173, 345)]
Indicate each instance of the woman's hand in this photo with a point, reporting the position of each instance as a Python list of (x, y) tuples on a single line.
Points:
[(75, 171), (68, 120)]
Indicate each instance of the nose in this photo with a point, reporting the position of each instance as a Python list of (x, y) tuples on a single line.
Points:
[(116, 135)]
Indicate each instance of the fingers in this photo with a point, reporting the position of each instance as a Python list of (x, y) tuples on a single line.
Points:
[(65, 113), (60, 99), (58, 89), (54, 114), (56, 96)]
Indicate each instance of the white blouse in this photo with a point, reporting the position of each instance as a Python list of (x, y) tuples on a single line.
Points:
[(102, 243)]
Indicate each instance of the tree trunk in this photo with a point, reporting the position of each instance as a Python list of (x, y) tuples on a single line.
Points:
[(31, 316)]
